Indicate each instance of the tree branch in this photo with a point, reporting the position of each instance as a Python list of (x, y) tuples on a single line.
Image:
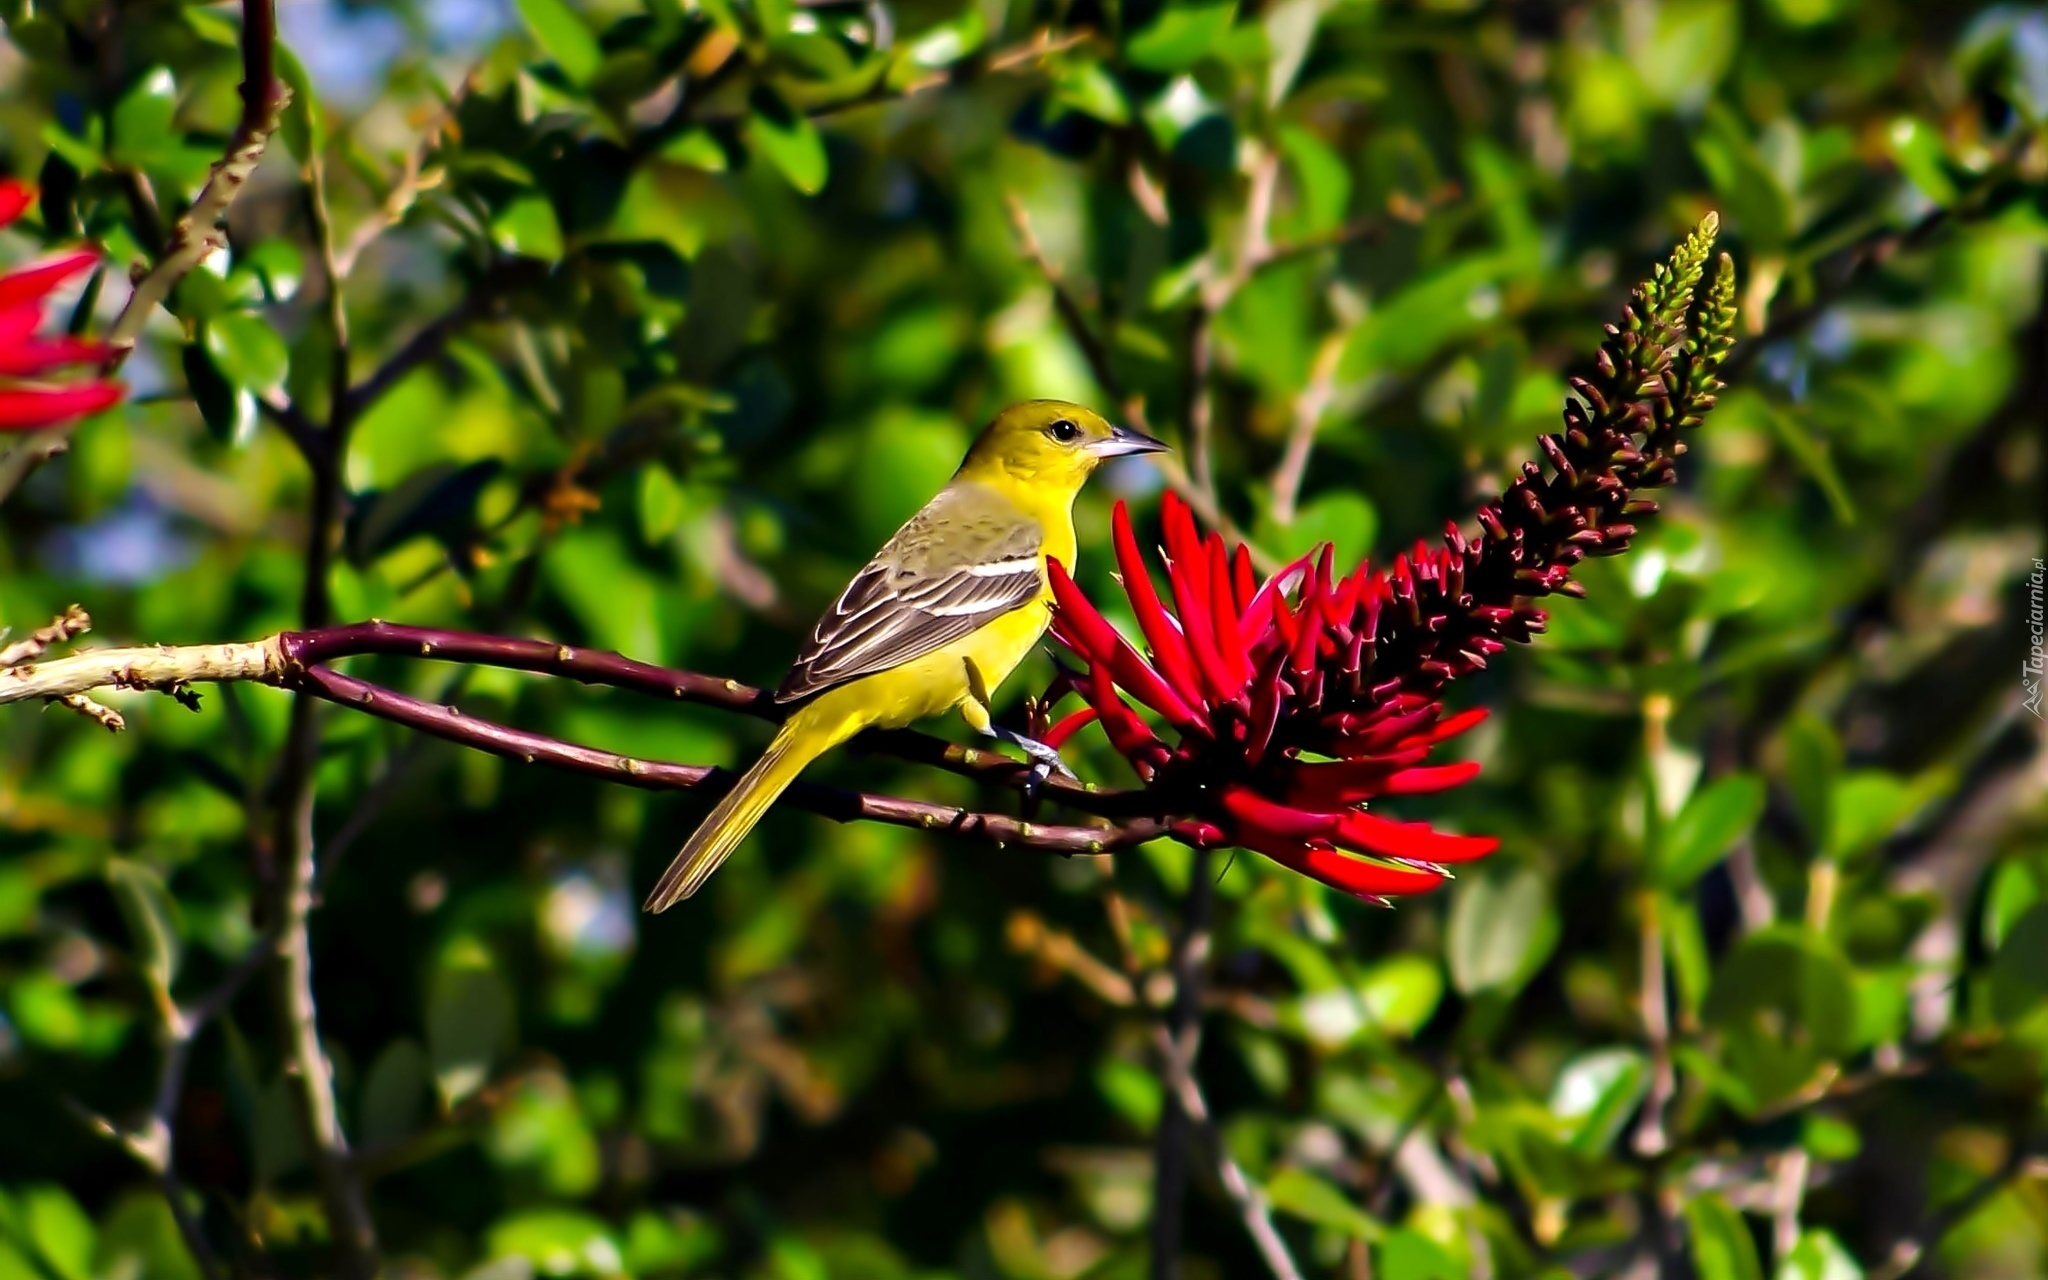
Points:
[(295, 660)]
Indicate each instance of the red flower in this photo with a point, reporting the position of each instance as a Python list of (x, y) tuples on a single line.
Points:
[(27, 398), (1297, 702), (1284, 736)]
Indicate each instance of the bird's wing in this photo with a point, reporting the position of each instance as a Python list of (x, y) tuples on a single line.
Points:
[(959, 563)]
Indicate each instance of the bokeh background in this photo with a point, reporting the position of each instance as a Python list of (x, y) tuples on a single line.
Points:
[(714, 293)]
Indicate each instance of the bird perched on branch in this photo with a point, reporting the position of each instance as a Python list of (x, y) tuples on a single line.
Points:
[(942, 614)]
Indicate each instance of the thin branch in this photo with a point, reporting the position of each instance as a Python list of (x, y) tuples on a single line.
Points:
[(1309, 407), (152, 1143), (479, 301), (413, 178), (1651, 1139), (1179, 1044), (1176, 1064), (67, 626), (293, 660)]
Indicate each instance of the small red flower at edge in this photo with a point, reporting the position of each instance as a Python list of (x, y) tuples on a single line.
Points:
[(28, 399), (1284, 736)]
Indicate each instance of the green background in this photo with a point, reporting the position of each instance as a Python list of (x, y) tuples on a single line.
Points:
[(733, 283)]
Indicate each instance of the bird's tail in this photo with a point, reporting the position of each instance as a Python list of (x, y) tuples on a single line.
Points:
[(728, 823)]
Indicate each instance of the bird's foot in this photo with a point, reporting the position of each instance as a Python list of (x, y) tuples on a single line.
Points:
[(1045, 760)]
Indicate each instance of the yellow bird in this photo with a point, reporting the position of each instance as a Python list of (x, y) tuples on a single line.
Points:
[(942, 614)]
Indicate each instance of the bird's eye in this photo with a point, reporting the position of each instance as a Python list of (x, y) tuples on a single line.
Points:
[(1064, 431)]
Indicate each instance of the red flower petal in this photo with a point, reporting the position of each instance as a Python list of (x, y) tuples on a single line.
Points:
[(1162, 633), (1256, 816), (17, 324), (28, 359), (1359, 877), (1223, 609), (15, 198), (1417, 840), (25, 408), (1450, 728), (1423, 782), (1191, 602), (1060, 734), (1243, 582), (1342, 784), (1103, 643), (1128, 733), (1265, 708), (36, 280)]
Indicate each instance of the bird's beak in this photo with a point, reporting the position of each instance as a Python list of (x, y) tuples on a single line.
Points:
[(1123, 440)]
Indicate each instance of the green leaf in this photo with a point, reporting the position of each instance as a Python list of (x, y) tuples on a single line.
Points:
[(2013, 890), (948, 42), (395, 1092), (1918, 149), (1828, 1138), (558, 1242), (788, 140), (1722, 1248), (1180, 36), (1813, 756), (527, 226), (469, 1020), (1869, 805), (248, 352), (1598, 1091), (142, 119), (1341, 517), (305, 133), (1303, 1195), (228, 411), (1090, 88), (2019, 972), (48, 1221), (661, 503), (1501, 930), (1814, 457), (562, 34), (697, 149), (1819, 1256), (1322, 180), (1132, 1090), (151, 917), (1707, 827), (1408, 1254), (1786, 1003), (1400, 993)]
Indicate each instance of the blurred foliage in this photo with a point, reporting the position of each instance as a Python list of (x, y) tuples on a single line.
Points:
[(726, 286)]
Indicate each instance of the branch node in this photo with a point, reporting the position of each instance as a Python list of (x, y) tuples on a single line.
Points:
[(67, 626), (106, 717)]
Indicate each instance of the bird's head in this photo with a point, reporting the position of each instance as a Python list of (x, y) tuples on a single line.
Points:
[(1052, 443)]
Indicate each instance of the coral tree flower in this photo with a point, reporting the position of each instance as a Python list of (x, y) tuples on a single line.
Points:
[(1285, 730), (1296, 703), (28, 397)]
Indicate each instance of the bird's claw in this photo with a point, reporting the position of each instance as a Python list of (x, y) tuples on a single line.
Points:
[(1045, 760)]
